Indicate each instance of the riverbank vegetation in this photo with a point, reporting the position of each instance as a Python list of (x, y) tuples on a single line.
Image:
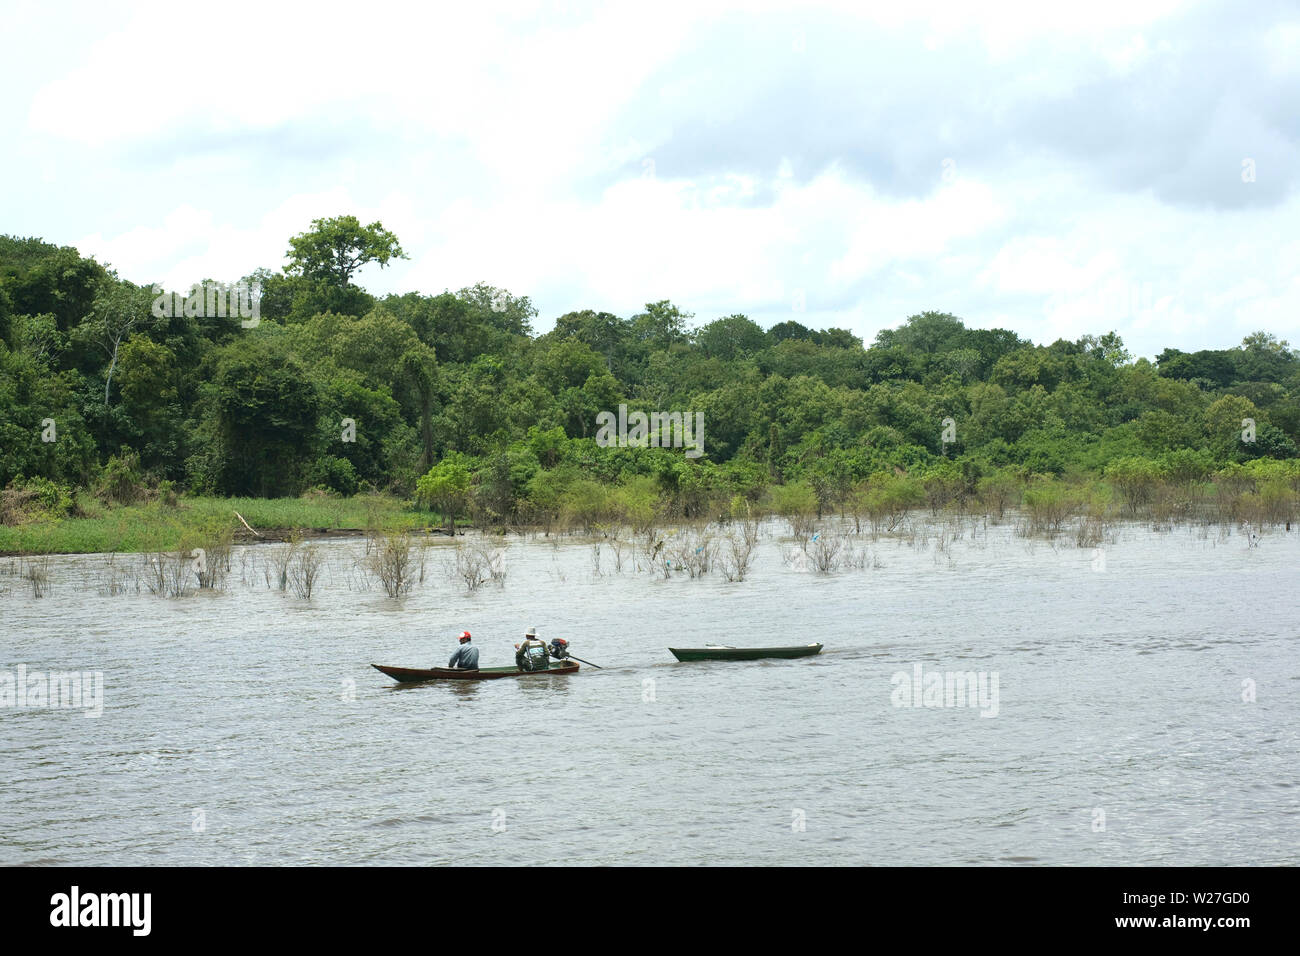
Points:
[(125, 430)]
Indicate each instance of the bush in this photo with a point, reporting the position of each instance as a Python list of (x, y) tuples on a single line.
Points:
[(167, 494), (1136, 479), (446, 488), (1048, 503), (793, 500), (120, 481), (585, 502), (1187, 466), (887, 497), (36, 499), (635, 503), (336, 474), (999, 491)]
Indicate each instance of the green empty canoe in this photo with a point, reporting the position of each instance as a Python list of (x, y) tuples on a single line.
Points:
[(742, 653)]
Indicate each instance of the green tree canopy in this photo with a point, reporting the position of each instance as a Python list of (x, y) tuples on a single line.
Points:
[(334, 249)]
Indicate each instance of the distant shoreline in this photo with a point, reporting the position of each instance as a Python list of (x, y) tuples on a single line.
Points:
[(1041, 509), (153, 526)]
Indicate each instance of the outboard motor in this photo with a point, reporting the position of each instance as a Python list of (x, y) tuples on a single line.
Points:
[(559, 649)]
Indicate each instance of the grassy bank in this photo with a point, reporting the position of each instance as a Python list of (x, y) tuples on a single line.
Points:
[(157, 526), (1185, 487)]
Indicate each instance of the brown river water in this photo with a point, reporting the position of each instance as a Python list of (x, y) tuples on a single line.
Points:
[(1141, 705)]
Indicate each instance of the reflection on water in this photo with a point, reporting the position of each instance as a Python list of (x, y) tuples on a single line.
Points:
[(1149, 713), (460, 688)]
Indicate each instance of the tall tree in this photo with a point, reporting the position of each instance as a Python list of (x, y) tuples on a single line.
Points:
[(731, 337), (661, 324), (446, 488), (334, 249), (118, 310), (266, 410)]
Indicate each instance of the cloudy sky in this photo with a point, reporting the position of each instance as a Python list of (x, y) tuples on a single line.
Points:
[(1052, 169)]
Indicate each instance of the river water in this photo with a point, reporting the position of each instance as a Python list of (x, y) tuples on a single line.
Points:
[(1147, 711)]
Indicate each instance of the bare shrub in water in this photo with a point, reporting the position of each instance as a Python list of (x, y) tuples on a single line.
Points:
[(619, 546), (801, 527), (1099, 510), (825, 552), (1091, 531), (153, 569), (358, 575), (392, 561), (36, 571), (165, 572), (855, 558), (112, 578), (691, 552), (305, 570), (277, 571), (497, 565), (653, 545), (475, 566), (735, 557), (211, 560)]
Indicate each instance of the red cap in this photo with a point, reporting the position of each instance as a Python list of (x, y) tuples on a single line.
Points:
[(464, 635)]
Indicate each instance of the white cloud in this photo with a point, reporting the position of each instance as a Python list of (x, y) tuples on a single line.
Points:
[(509, 143)]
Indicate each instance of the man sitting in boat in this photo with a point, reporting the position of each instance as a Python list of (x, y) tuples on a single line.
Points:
[(532, 655), (466, 656)]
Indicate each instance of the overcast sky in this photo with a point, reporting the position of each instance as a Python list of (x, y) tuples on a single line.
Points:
[(1050, 168)]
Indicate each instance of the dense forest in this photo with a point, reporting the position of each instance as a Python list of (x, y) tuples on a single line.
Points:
[(453, 401)]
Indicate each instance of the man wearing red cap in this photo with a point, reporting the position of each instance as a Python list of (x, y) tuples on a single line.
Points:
[(466, 656)]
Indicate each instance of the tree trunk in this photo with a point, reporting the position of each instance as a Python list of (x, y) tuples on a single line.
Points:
[(426, 430), (111, 366)]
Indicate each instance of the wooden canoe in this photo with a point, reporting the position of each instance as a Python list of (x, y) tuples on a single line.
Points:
[(743, 653), (412, 675)]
